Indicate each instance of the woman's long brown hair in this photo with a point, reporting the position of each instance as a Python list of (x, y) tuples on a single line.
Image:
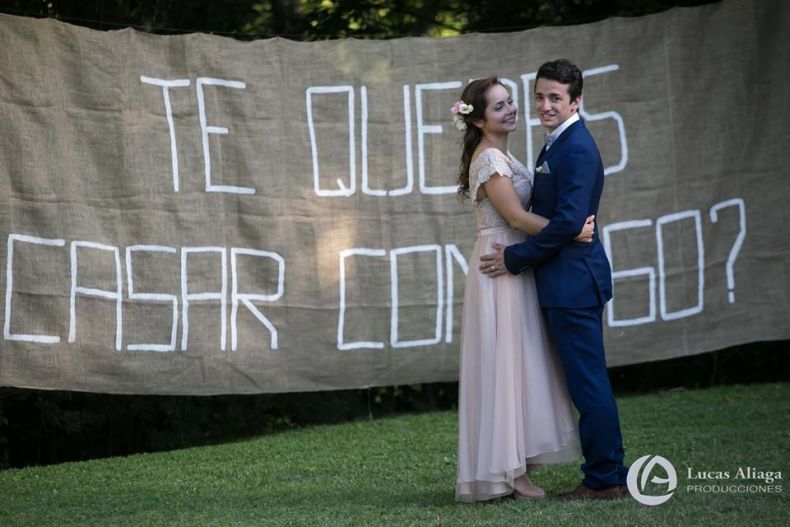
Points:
[(475, 94)]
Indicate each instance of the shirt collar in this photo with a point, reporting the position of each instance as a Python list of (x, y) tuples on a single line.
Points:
[(550, 138)]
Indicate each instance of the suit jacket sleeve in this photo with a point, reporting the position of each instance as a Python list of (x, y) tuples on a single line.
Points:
[(576, 173)]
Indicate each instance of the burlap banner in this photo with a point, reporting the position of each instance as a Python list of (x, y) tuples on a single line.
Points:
[(197, 215)]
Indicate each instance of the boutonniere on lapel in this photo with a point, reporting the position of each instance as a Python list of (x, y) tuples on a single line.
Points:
[(543, 169)]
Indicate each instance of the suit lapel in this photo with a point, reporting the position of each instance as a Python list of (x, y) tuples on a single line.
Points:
[(542, 153)]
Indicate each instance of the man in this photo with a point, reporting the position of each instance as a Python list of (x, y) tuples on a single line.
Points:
[(573, 278)]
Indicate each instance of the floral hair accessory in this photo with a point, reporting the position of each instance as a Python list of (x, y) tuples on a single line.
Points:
[(459, 109)]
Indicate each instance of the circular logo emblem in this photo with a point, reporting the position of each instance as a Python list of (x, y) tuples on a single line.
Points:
[(638, 476)]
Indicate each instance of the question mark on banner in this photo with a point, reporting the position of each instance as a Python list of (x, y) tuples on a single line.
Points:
[(736, 247)]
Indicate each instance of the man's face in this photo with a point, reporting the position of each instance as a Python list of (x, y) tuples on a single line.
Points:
[(553, 103)]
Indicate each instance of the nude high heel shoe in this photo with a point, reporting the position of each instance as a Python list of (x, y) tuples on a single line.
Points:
[(533, 493)]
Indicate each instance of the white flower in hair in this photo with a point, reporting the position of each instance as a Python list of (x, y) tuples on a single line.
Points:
[(459, 109), (459, 123)]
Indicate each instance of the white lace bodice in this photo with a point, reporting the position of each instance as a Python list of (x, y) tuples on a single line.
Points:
[(492, 161)]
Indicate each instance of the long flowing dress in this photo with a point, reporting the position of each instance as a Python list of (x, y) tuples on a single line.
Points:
[(513, 404)]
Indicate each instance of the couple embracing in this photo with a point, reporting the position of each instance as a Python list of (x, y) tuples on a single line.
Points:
[(532, 335)]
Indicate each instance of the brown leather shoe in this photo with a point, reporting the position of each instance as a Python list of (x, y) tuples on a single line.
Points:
[(583, 492)]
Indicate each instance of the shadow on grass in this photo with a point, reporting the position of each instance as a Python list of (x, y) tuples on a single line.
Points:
[(42, 427)]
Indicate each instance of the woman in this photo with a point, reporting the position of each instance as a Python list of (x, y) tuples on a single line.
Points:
[(514, 410)]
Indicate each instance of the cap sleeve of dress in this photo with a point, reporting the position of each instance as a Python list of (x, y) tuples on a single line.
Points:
[(490, 161)]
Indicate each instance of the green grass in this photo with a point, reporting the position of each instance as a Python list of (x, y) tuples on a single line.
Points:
[(401, 471)]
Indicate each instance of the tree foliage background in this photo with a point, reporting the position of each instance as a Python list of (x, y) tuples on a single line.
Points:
[(327, 19), (48, 427)]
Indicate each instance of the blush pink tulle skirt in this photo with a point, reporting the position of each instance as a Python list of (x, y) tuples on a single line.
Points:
[(513, 404)]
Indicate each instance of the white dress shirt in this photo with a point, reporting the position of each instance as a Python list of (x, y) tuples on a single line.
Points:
[(550, 138)]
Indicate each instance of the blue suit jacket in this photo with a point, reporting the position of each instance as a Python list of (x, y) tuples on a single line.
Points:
[(568, 274)]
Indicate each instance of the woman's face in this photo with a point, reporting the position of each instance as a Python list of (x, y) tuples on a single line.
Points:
[(500, 114)]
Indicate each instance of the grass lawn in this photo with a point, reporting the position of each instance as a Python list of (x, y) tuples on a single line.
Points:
[(401, 471)]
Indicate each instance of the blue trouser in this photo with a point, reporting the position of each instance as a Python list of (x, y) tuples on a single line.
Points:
[(578, 337)]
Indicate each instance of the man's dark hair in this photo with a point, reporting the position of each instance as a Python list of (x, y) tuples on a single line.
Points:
[(564, 72)]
